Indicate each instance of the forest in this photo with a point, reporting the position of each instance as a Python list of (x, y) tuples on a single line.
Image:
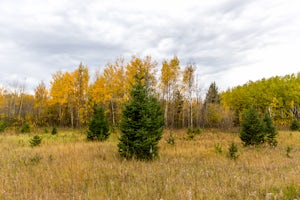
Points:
[(70, 97), (140, 130)]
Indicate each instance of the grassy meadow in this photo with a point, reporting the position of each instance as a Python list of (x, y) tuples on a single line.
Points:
[(66, 166)]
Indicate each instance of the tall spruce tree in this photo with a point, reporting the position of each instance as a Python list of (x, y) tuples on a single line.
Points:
[(212, 95), (141, 124), (252, 130), (98, 127), (211, 108)]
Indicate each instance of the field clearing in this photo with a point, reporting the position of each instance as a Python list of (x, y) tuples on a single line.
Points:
[(65, 166)]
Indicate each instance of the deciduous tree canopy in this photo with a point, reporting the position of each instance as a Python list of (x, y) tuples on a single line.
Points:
[(71, 95)]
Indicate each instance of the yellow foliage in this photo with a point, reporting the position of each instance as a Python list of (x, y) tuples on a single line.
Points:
[(169, 73)]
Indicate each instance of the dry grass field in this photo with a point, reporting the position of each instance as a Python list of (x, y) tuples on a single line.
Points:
[(65, 166)]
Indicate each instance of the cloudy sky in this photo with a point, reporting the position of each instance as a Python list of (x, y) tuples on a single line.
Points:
[(229, 41)]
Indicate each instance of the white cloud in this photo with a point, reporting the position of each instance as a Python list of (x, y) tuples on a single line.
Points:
[(231, 41)]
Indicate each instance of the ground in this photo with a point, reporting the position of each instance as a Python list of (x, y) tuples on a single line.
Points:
[(66, 166)]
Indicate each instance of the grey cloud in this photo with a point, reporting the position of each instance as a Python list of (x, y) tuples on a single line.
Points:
[(233, 8), (221, 45), (218, 38)]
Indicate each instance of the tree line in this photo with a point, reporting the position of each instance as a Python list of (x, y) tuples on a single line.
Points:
[(279, 96), (72, 96)]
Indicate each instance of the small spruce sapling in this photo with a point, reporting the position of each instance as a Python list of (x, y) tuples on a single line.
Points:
[(171, 139), (233, 151), (252, 130), (25, 128), (54, 130), (295, 125), (35, 141), (288, 151), (218, 148), (2, 125), (270, 131), (98, 127)]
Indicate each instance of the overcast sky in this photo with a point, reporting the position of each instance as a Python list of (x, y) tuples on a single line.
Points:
[(229, 41)]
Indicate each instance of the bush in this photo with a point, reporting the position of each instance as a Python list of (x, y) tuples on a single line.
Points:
[(291, 192), (25, 128), (171, 139), (295, 126), (98, 127), (54, 130), (2, 125), (190, 136), (270, 131), (288, 151), (252, 130), (35, 141), (233, 151), (194, 131), (218, 148)]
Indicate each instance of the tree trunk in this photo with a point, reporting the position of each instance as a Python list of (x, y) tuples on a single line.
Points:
[(191, 114), (113, 113), (78, 117), (60, 114), (166, 114), (71, 116), (20, 107)]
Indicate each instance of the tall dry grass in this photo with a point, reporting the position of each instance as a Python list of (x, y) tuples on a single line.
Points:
[(67, 167)]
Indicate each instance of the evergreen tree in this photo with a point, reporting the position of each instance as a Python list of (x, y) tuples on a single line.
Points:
[(141, 124), (98, 127), (270, 130), (233, 151), (25, 128), (295, 126), (2, 125), (35, 141), (252, 130), (54, 130), (211, 109), (212, 95)]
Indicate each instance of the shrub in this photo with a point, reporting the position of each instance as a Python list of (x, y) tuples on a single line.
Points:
[(2, 125), (190, 136), (295, 126), (288, 151), (233, 151), (171, 139), (218, 148), (98, 127), (270, 131), (191, 133), (194, 131), (54, 130), (35, 141), (25, 128), (291, 192), (252, 130)]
